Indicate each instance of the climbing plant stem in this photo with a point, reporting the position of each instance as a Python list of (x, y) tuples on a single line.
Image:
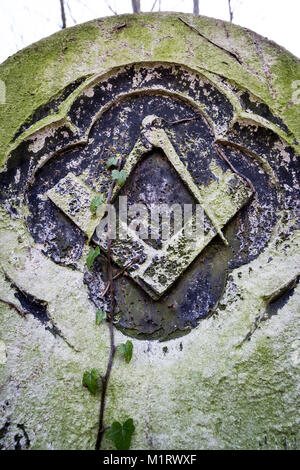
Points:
[(110, 317)]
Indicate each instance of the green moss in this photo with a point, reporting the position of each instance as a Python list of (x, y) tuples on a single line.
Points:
[(36, 74), (285, 73), (39, 72)]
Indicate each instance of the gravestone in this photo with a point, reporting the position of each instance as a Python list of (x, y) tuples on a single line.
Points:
[(200, 113)]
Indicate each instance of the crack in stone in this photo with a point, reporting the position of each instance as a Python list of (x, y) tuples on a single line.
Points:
[(232, 54), (37, 307), (273, 303)]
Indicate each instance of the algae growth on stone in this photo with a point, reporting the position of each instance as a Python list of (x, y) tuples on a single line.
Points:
[(226, 135)]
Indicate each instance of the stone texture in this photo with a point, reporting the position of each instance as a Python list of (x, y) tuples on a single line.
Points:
[(232, 382)]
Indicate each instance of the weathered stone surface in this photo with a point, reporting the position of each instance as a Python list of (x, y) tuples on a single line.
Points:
[(74, 98)]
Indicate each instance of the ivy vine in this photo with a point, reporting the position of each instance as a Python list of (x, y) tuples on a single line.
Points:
[(119, 433)]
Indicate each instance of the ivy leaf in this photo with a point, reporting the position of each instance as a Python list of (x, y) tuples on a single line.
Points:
[(92, 380), (93, 253), (112, 161), (126, 350), (96, 202), (100, 316), (120, 176), (121, 434)]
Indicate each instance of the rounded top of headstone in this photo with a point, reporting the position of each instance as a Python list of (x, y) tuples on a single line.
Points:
[(247, 60)]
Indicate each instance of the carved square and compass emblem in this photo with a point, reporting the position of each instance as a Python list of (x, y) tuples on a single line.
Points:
[(197, 163), (155, 266)]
